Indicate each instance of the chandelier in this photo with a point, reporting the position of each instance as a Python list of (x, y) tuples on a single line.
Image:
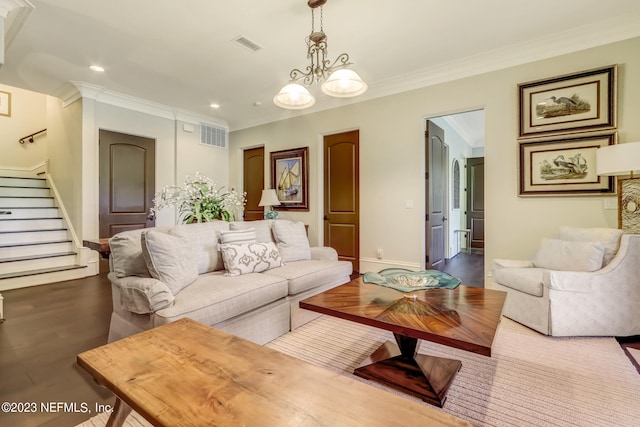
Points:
[(335, 77)]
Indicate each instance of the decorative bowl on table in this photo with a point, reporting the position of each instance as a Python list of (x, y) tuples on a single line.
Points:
[(409, 281)]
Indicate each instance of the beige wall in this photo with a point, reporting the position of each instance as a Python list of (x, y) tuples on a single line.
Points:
[(392, 153), (28, 115), (64, 151)]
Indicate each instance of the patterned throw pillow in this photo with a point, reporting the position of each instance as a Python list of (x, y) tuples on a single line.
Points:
[(237, 237), (249, 257)]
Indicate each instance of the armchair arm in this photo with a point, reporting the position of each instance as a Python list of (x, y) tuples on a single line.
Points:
[(569, 281), (142, 295), (324, 253)]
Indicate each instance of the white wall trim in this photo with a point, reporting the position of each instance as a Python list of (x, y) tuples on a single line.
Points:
[(374, 264)]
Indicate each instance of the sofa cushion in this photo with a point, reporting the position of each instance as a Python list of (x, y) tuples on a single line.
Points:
[(527, 280), (292, 240), (308, 274), (214, 297), (249, 257), (203, 239), (608, 237), (126, 254), (569, 256), (237, 237), (262, 227), (169, 259)]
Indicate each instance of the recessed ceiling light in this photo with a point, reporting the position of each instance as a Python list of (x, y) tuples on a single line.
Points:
[(97, 68), (215, 105)]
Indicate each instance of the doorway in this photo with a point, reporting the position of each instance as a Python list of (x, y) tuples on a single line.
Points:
[(126, 182), (342, 195), (253, 182), (464, 137)]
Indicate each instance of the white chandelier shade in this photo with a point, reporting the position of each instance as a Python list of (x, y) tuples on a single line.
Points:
[(344, 83), (294, 96)]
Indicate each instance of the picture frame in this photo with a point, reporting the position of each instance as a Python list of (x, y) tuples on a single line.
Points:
[(564, 166), (289, 177), (629, 205), (578, 102), (5, 103)]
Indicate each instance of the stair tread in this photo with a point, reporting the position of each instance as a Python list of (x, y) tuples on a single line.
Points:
[(30, 219), (34, 231), (43, 242), (40, 271), (26, 197), (24, 186), (33, 257), (23, 177)]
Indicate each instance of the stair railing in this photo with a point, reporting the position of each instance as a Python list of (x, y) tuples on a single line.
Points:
[(30, 137)]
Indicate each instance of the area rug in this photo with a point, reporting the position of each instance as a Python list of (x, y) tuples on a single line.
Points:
[(635, 354), (530, 380)]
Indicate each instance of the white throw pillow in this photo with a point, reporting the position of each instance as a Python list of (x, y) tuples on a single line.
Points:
[(608, 237), (262, 227), (569, 256), (249, 257), (237, 237), (169, 259), (292, 240)]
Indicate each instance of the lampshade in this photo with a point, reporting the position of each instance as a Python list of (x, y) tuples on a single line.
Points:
[(618, 159), (269, 198), (294, 96), (344, 83)]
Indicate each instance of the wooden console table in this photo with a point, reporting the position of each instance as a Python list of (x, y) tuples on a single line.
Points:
[(101, 245), (186, 373)]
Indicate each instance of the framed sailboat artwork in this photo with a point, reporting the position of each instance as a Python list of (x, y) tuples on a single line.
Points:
[(289, 177)]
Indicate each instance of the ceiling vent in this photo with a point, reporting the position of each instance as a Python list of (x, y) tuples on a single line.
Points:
[(213, 136), (248, 44)]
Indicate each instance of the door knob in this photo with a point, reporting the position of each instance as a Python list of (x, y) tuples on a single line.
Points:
[(326, 218)]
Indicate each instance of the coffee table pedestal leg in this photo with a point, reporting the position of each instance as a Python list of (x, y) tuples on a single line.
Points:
[(400, 367)]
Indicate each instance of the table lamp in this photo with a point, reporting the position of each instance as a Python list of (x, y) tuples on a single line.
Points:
[(269, 198), (623, 160)]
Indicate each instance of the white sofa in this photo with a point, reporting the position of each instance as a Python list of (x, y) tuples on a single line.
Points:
[(159, 275), (585, 282)]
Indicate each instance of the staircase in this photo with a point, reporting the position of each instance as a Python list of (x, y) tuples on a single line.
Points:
[(36, 246)]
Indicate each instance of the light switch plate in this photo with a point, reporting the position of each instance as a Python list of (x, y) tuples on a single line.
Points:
[(610, 203)]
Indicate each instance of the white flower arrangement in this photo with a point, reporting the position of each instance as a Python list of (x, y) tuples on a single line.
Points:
[(200, 199)]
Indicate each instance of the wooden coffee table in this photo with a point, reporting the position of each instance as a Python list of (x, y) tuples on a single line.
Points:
[(188, 374), (465, 318)]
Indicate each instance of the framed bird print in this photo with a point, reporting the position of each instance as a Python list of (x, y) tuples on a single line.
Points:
[(564, 166), (579, 102)]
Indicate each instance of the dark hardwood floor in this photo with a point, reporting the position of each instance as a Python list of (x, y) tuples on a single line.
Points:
[(468, 267), (47, 326)]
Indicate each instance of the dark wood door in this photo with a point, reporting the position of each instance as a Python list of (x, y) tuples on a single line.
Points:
[(127, 182), (253, 182), (475, 200), (342, 195), (436, 164)]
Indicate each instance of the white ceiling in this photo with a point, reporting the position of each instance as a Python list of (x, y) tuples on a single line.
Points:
[(181, 54)]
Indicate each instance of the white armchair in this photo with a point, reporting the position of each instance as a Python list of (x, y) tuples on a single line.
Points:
[(585, 283)]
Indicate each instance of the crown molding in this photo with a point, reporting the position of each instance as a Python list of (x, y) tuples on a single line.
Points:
[(105, 96)]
